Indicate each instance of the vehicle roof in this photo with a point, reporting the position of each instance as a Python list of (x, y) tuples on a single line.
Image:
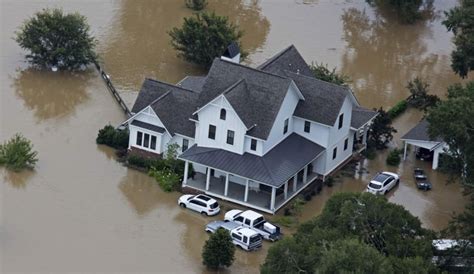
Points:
[(245, 231), (206, 199), (250, 214), (381, 177)]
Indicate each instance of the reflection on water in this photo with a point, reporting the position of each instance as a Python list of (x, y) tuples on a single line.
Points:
[(139, 45), (17, 180), (52, 94)]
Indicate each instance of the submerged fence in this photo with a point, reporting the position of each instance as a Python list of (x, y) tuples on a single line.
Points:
[(112, 89)]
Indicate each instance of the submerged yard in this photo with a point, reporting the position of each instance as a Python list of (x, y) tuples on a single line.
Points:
[(80, 210)]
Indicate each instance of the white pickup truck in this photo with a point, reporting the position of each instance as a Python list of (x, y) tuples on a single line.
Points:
[(243, 237), (254, 221)]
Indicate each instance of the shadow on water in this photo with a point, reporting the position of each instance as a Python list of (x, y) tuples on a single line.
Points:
[(139, 45), (52, 95)]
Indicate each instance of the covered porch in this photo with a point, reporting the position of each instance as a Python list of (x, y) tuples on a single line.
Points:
[(360, 124)]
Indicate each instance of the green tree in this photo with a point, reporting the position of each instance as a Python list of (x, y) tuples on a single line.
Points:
[(419, 97), (322, 72), (393, 157), (352, 256), (407, 10), (204, 37), (57, 39), (17, 153), (451, 120), (218, 250), (196, 4), (460, 21), (381, 131)]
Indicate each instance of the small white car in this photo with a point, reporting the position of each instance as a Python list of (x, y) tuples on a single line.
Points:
[(383, 182), (200, 203)]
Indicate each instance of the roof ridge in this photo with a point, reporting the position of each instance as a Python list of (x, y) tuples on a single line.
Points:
[(229, 89), (161, 97), (317, 79), (274, 57), (254, 69), (169, 84)]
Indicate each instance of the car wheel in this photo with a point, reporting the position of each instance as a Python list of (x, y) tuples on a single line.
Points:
[(182, 205), (204, 213), (398, 181)]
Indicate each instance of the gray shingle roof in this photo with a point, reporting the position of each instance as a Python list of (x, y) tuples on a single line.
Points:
[(323, 100), (150, 91), (274, 168), (258, 100), (193, 83), (360, 116), (420, 133), (148, 126), (288, 59)]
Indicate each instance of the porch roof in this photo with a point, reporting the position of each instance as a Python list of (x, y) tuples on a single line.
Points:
[(147, 126), (274, 168), (420, 133)]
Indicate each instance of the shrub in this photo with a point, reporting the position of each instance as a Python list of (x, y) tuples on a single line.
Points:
[(322, 72), (196, 4), (397, 110), (218, 251), (286, 221), (393, 157), (329, 181), (112, 137), (57, 39), (167, 179), (17, 153)]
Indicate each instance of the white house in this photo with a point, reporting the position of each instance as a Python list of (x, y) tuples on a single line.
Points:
[(254, 136), (419, 138)]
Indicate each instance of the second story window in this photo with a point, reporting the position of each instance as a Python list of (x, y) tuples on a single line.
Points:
[(212, 132), (185, 145), (230, 137), (307, 126), (285, 127), (253, 144), (341, 120), (223, 114)]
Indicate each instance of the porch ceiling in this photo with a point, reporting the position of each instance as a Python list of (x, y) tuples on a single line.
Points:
[(274, 168)]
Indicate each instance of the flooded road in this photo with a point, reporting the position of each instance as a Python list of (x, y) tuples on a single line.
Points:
[(82, 211)]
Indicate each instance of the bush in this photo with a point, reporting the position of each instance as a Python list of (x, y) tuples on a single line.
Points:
[(397, 110), (196, 4), (218, 251), (322, 72), (112, 137), (204, 37), (393, 157), (167, 179), (286, 221), (329, 181), (17, 153), (57, 39)]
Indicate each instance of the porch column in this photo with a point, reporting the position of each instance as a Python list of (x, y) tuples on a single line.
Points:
[(272, 201), (186, 170), (364, 136), (226, 184), (286, 190), (208, 178), (295, 182), (435, 159), (305, 174), (405, 151), (246, 196)]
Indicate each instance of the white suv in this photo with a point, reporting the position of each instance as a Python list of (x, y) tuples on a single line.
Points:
[(383, 182), (200, 203)]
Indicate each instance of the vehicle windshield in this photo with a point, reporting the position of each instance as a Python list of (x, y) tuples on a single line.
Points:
[(258, 221), (190, 198), (214, 205), (375, 186), (255, 239)]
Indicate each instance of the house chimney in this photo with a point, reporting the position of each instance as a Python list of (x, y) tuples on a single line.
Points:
[(232, 53)]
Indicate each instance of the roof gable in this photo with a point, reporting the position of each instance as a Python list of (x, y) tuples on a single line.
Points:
[(150, 91), (420, 133), (288, 59)]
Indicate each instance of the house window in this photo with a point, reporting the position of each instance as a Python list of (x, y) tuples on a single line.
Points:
[(223, 114), (230, 137), (153, 142), (146, 140), (185, 145), (341, 120), (307, 126), (212, 132), (139, 138), (346, 143), (253, 144), (285, 127), (334, 153)]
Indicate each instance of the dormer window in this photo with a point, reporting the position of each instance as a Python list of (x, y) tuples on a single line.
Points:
[(341, 120), (223, 114)]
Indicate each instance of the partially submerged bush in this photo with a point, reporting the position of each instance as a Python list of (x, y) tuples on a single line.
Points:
[(397, 109), (196, 4), (167, 179), (17, 153), (393, 157), (113, 137)]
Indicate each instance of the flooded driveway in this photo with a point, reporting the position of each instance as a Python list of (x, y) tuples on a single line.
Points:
[(82, 211)]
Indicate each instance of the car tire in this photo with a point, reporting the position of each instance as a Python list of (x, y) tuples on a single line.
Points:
[(204, 213), (183, 205)]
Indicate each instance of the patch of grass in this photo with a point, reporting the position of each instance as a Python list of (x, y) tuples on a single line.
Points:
[(286, 221)]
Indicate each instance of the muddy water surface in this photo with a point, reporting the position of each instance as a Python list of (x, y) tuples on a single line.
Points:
[(80, 210)]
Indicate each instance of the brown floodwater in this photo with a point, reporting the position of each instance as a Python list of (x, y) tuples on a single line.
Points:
[(80, 210)]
